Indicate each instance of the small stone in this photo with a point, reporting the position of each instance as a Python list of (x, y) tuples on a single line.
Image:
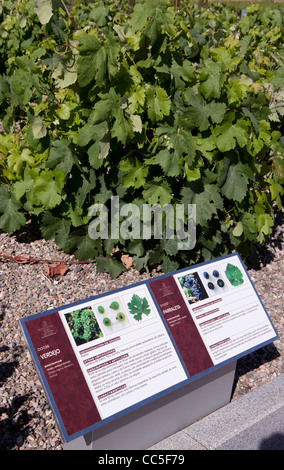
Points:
[(78, 268)]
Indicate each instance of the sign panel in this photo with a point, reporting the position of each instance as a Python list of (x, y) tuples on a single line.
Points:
[(106, 355)]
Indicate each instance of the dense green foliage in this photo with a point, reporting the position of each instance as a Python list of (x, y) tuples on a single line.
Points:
[(157, 105)]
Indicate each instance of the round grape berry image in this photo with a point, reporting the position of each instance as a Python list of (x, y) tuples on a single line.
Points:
[(193, 287), (106, 321), (120, 316)]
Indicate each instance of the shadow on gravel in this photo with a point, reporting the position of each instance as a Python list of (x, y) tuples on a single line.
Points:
[(14, 420), (14, 426), (7, 368), (275, 241), (27, 234), (254, 360)]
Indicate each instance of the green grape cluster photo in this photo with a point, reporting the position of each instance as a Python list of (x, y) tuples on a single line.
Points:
[(83, 325)]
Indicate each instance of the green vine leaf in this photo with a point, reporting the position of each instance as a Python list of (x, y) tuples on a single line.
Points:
[(43, 10), (91, 132), (229, 135), (236, 181), (158, 103), (11, 219), (153, 17), (57, 228), (157, 192), (91, 60), (38, 128), (96, 60), (114, 268), (136, 173), (213, 79)]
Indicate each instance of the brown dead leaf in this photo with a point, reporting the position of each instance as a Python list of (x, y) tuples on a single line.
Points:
[(59, 269), (127, 261)]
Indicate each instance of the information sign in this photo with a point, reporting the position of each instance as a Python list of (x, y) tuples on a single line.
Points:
[(107, 355)]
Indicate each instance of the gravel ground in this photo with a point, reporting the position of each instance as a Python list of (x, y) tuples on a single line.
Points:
[(26, 421)]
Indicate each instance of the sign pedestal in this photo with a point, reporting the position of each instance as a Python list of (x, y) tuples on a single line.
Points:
[(161, 418)]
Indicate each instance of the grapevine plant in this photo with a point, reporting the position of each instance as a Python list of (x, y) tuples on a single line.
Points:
[(162, 103)]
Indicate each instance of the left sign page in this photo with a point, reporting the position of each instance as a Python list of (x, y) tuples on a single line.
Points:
[(102, 356)]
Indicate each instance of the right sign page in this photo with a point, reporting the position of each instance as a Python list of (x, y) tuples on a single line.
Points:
[(213, 312)]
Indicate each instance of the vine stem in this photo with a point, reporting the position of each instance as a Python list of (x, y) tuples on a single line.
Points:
[(69, 15), (30, 259)]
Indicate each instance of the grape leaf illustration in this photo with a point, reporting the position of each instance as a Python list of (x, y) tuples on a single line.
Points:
[(234, 275), (137, 306)]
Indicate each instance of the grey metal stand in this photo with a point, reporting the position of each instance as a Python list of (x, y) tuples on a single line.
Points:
[(163, 417)]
